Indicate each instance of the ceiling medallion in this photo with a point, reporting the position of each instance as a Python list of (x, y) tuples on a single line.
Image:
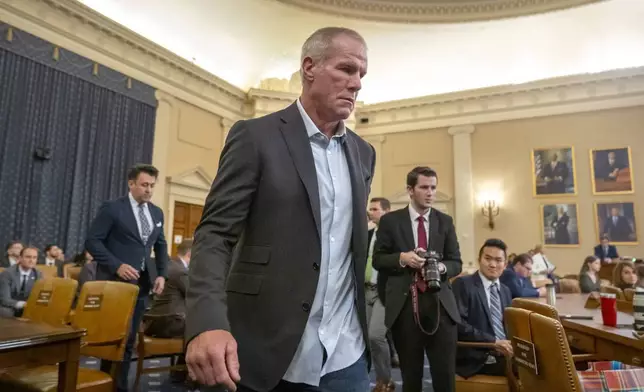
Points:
[(434, 11)]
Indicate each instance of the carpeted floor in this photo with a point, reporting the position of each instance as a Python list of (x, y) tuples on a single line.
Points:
[(160, 382)]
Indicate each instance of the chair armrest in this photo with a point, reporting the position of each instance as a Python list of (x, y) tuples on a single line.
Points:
[(103, 343), (490, 346), (585, 357)]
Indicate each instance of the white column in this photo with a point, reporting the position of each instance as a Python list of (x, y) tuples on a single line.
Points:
[(463, 192)]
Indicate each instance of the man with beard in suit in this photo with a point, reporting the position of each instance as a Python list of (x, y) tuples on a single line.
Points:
[(403, 236)]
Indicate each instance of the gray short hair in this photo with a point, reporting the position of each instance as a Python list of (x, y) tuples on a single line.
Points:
[(317, 45)]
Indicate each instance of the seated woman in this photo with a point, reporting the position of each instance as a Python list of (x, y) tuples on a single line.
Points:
[(624, 276), (589, 281)]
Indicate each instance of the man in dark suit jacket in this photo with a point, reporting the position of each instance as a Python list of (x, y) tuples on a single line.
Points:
[(170, 306), (517, 278), (481, 299), (402, 234), (276, 283), (17, 281), (121, 239), (605, 251), (555, 174), (617, 227)]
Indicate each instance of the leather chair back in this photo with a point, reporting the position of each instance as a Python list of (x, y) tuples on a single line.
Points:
[(537, 307), (613, 290), (569, 286), (71, 271), (629, 294), (48, 271), (105, 309), (556, 368), (50, 300)]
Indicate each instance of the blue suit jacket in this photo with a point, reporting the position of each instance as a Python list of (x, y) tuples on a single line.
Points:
[(113, 239), (476, 322), (518, 285), (611, 254)]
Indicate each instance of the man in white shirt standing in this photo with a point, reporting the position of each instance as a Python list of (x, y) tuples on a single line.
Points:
[(380, 354), (17, 281)]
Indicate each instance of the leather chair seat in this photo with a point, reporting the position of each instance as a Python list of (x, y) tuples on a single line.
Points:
[(159, 346), (45, 379), (482, 383)]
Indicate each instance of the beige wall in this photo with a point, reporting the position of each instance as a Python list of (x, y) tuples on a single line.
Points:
[(501, 158)]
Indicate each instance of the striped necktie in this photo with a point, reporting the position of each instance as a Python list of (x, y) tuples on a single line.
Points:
[(496, 313)]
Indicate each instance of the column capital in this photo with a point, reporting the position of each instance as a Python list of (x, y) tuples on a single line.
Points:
[(226, 123), (461, 129)]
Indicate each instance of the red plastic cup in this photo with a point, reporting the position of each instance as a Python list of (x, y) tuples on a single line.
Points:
[(609, 309)]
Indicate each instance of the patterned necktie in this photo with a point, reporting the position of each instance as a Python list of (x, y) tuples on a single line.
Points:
[(145, 225), (496, 312), (422, 243)]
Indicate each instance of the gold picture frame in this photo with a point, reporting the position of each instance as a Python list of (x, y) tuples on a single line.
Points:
[(559, 225), (543, 184), (614, 178), (624, 231)]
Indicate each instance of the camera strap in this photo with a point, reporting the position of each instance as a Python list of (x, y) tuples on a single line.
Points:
[(414, 299)]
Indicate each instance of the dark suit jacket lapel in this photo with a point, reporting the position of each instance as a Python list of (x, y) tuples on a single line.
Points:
[(506, 299), (130, 220), (480, 291), (406, 226), (358, 190), (434, 233), (297, 141)]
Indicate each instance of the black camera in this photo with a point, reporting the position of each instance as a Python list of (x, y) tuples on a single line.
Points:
[(430, 272)]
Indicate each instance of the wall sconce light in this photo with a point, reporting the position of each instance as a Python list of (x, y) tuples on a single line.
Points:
[(490, 210)]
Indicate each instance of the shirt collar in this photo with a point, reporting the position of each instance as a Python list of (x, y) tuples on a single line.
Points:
[(312, 129), (413, 214), (135, 203), (183, 262), (23, 272), (487, 282)]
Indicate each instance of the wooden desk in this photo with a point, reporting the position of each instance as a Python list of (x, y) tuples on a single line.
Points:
[(25, 343), (592, 336)]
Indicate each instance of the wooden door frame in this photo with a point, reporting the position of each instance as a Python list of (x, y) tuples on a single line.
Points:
[(192, 187)]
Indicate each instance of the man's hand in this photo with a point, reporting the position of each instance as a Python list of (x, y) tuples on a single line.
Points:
[(542, 291), (608, 260), (504, 347), (127, 272), (20, 304), (411, 259), (159, 284), (212, 359)]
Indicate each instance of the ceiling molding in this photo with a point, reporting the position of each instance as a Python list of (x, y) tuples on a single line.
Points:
[(90, 34), (434, 11), (574, 94)]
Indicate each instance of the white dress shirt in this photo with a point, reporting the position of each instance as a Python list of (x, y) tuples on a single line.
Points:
[(146, 212), (413, 214), (49, 261), (374, 272), (12, 261)]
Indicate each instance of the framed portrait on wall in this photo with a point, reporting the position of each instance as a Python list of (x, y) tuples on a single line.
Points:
[(616, 220), (560, 225), (612, 171), (553, 171)]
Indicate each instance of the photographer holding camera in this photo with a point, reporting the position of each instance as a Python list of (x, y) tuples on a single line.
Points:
[(418, 250)]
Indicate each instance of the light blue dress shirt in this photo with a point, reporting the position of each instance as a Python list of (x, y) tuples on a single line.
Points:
[(333, 326)]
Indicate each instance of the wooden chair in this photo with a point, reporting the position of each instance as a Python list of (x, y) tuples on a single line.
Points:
[(48, 271), (50, 301), (104, 310), (150, 347), (71, 271), (571, 276), (629, 294), (551, 312), (613, 290), (485, 383), (556, 367), (569, 286)]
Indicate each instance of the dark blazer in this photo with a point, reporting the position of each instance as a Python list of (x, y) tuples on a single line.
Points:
[(114, 239), (4, 262), (256, 256), (560, 225), (560, 170), (611, 253), (518, 285), (173, 298), (476, 322), (394, 237), (618, 232), (381, 280), (10, 282)]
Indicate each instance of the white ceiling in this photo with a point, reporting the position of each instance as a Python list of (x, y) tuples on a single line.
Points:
[(244, 41)]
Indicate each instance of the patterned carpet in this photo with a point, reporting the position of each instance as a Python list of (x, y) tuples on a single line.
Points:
[(160, 382)]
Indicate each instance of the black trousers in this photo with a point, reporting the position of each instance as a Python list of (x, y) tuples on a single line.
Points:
[(122, 381), (412, 345)]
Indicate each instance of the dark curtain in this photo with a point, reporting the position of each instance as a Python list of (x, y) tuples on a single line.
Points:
[(93, 135)]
